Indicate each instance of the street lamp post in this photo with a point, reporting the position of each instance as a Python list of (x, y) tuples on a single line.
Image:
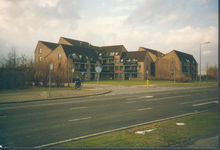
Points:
[(200, 62)]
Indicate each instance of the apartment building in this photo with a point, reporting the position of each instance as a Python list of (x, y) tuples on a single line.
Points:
[(176, 64), (116, 62)]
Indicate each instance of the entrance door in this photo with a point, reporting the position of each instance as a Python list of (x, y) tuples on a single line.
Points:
[(92, 77)]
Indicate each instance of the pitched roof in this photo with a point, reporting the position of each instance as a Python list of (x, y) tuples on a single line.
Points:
[(155, 52), (185, 57), (114, 48), (68, 49), (140, 55), (76, 42), (51, 46)]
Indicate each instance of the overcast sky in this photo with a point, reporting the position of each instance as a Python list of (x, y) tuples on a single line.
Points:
[(163, 25)]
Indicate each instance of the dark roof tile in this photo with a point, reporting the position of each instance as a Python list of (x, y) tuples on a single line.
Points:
[(140, 55)]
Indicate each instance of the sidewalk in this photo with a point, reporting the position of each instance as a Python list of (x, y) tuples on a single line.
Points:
[(44, 95)]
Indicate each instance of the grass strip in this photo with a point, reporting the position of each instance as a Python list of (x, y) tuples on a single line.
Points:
[(151, 82), (167, 133), (40, 89)]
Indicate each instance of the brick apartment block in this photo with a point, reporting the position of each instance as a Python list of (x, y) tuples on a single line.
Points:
[(116, 62)]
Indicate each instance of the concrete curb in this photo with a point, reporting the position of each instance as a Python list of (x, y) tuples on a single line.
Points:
[(56, 98)]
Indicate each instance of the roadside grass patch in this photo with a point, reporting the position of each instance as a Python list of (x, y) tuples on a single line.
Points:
[(151, 82), (167, 133), (40, 89)]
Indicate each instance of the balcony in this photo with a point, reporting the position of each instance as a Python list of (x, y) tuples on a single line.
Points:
[(107, 57), (79, 61), (81, 70), (111, 64), (92, 61), (92, 70)]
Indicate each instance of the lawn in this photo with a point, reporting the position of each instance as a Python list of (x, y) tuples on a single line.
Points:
[(166, 133), (151, 82)]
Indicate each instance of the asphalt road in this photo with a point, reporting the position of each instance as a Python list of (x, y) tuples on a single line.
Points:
[(46, 123)]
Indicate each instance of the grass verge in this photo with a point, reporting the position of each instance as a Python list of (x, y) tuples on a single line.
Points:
[(166, 133), (40, 89), (151, 82)]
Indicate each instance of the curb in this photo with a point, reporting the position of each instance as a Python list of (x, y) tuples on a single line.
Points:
[(56, 98)]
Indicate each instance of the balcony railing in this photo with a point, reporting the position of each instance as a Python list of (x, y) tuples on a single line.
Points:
[(79, 61), (92, 61), (81, 70), (92, 70), (128, 70), (107, 56)]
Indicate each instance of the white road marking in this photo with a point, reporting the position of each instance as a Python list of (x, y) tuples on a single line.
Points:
[(168, 97), (199, 100), (131, 102), (81, 119), (3, 116), (78, 107), (205, 103), (139, 97), (118, 129), (143, 109)]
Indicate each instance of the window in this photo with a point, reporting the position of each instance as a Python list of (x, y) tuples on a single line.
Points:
[(139, 75), (147, 60), (87, 57), (134, 75), (116, 75), (121, 68), (111, 61), (116, 53), (116, 67), (147, 67), (104, 75), (40, 51), (59, 56), (59, 65), (171, 67), (116, 61), (121, 75), (80, 56), (96, 75), (100, 54), (111, 54), (39, 58), (171, 74), (139, 67), (87, 75), (171, 59), (122, 60)]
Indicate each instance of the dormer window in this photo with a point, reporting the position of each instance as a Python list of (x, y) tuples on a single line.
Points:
[(100, 54), (111, 53), (39, 50), (116, 53), (122, 60), (87, 57), (74, 56), (80, 56)]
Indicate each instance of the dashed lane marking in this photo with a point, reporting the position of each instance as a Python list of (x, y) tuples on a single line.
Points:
[(199, 100), (81, 119), (79, 107), (205, 103), (143, 109)]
